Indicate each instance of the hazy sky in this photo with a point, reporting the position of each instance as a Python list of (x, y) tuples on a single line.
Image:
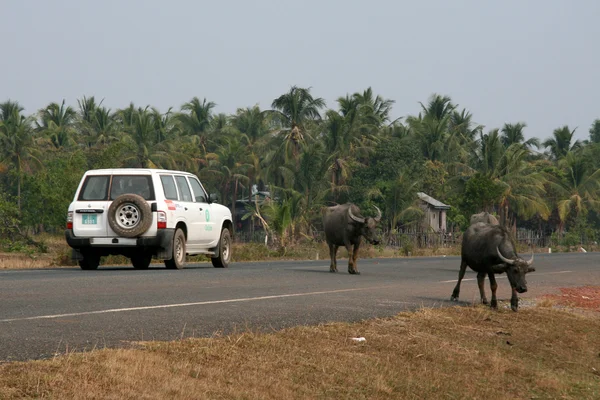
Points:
[(536, 61)]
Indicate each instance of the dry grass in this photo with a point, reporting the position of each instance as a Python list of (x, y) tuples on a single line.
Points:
[(59, 254), (451, 353)]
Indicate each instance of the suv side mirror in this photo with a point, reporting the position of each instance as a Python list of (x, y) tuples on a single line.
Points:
[(213, 198)]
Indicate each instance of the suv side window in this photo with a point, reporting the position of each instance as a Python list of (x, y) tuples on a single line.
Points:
[(199, 193), (169, 187), (94, 188), (184, 189)]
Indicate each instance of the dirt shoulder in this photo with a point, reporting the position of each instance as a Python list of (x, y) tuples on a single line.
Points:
[(457, 352)]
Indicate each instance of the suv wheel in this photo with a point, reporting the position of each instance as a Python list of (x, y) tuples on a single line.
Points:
[(223, 256), (141, 261), (178, 257), (90, 261), (129, 215)]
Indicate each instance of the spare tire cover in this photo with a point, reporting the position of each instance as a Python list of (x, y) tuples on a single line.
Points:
[(129, 215)]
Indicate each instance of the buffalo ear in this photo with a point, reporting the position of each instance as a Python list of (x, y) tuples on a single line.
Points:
[(530, 269)]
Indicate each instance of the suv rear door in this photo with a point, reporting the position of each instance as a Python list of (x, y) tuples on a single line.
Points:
[(91, 206)]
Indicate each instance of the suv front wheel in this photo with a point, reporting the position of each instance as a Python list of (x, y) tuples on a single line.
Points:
[(223, 256), (178, 257)]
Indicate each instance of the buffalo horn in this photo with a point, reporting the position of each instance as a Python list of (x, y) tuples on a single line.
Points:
[(378, 217), (530, 261), (506, 260), (354, 217)]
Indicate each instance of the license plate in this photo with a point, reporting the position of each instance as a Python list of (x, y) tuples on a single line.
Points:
[(89, 219)]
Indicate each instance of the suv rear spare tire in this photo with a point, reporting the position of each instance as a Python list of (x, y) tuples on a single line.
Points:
[(129, 215)]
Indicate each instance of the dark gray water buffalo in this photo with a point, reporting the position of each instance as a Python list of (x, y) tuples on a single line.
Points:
[(484, 217), (345, 226), (488, 250)]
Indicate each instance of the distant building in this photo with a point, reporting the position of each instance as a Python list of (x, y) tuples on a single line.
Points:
[(435, 213)]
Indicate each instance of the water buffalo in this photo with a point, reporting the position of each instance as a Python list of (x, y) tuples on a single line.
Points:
[(484, 217), (488, 250), (345, 226)]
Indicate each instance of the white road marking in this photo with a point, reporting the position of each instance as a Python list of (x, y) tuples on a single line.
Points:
[(474, 279), (200, 303)]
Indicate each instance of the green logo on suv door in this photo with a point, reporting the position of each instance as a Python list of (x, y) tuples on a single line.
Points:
[(207, 213)]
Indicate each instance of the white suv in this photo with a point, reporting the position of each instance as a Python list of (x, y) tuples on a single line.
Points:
[(145, 213)]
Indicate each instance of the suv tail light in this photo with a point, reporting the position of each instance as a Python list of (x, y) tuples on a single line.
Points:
[(161, 220), (70, 220)]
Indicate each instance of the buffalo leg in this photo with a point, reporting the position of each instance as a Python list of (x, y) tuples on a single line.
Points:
[(461, 275), (481, 284), (514, 300), (332, 254), (352, 268), (493, 286)]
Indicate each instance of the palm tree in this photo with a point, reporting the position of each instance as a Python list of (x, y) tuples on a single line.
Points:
[(432, 135), (97, 125), (18, 145), (252, 122), (488, 153), (229, 166), (399, 198), (374, 110), (524, 188), (438, 107), (196, 118), (57, 123), (9, 109), (513, 133), (286, 216), (150, 151), (580, 189), (521, 188), (560, 144), (295, 110), (342, 149), (595, 131), (432, 129), (462, 124)]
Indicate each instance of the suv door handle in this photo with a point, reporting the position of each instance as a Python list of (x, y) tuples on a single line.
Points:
[(200, 208), (185, 208)]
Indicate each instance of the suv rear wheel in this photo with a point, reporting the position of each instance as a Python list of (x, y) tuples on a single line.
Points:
[(141, 261), (223, 256), (178, 257), (129, 215), (90, 261)]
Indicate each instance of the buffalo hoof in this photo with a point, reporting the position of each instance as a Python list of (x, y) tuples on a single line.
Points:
[(494, 304), (453, 298), (353, 272), (514, 304), (333, 270), (484, 301)]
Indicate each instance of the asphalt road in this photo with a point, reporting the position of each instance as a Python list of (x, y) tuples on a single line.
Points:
[(52, 311)]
